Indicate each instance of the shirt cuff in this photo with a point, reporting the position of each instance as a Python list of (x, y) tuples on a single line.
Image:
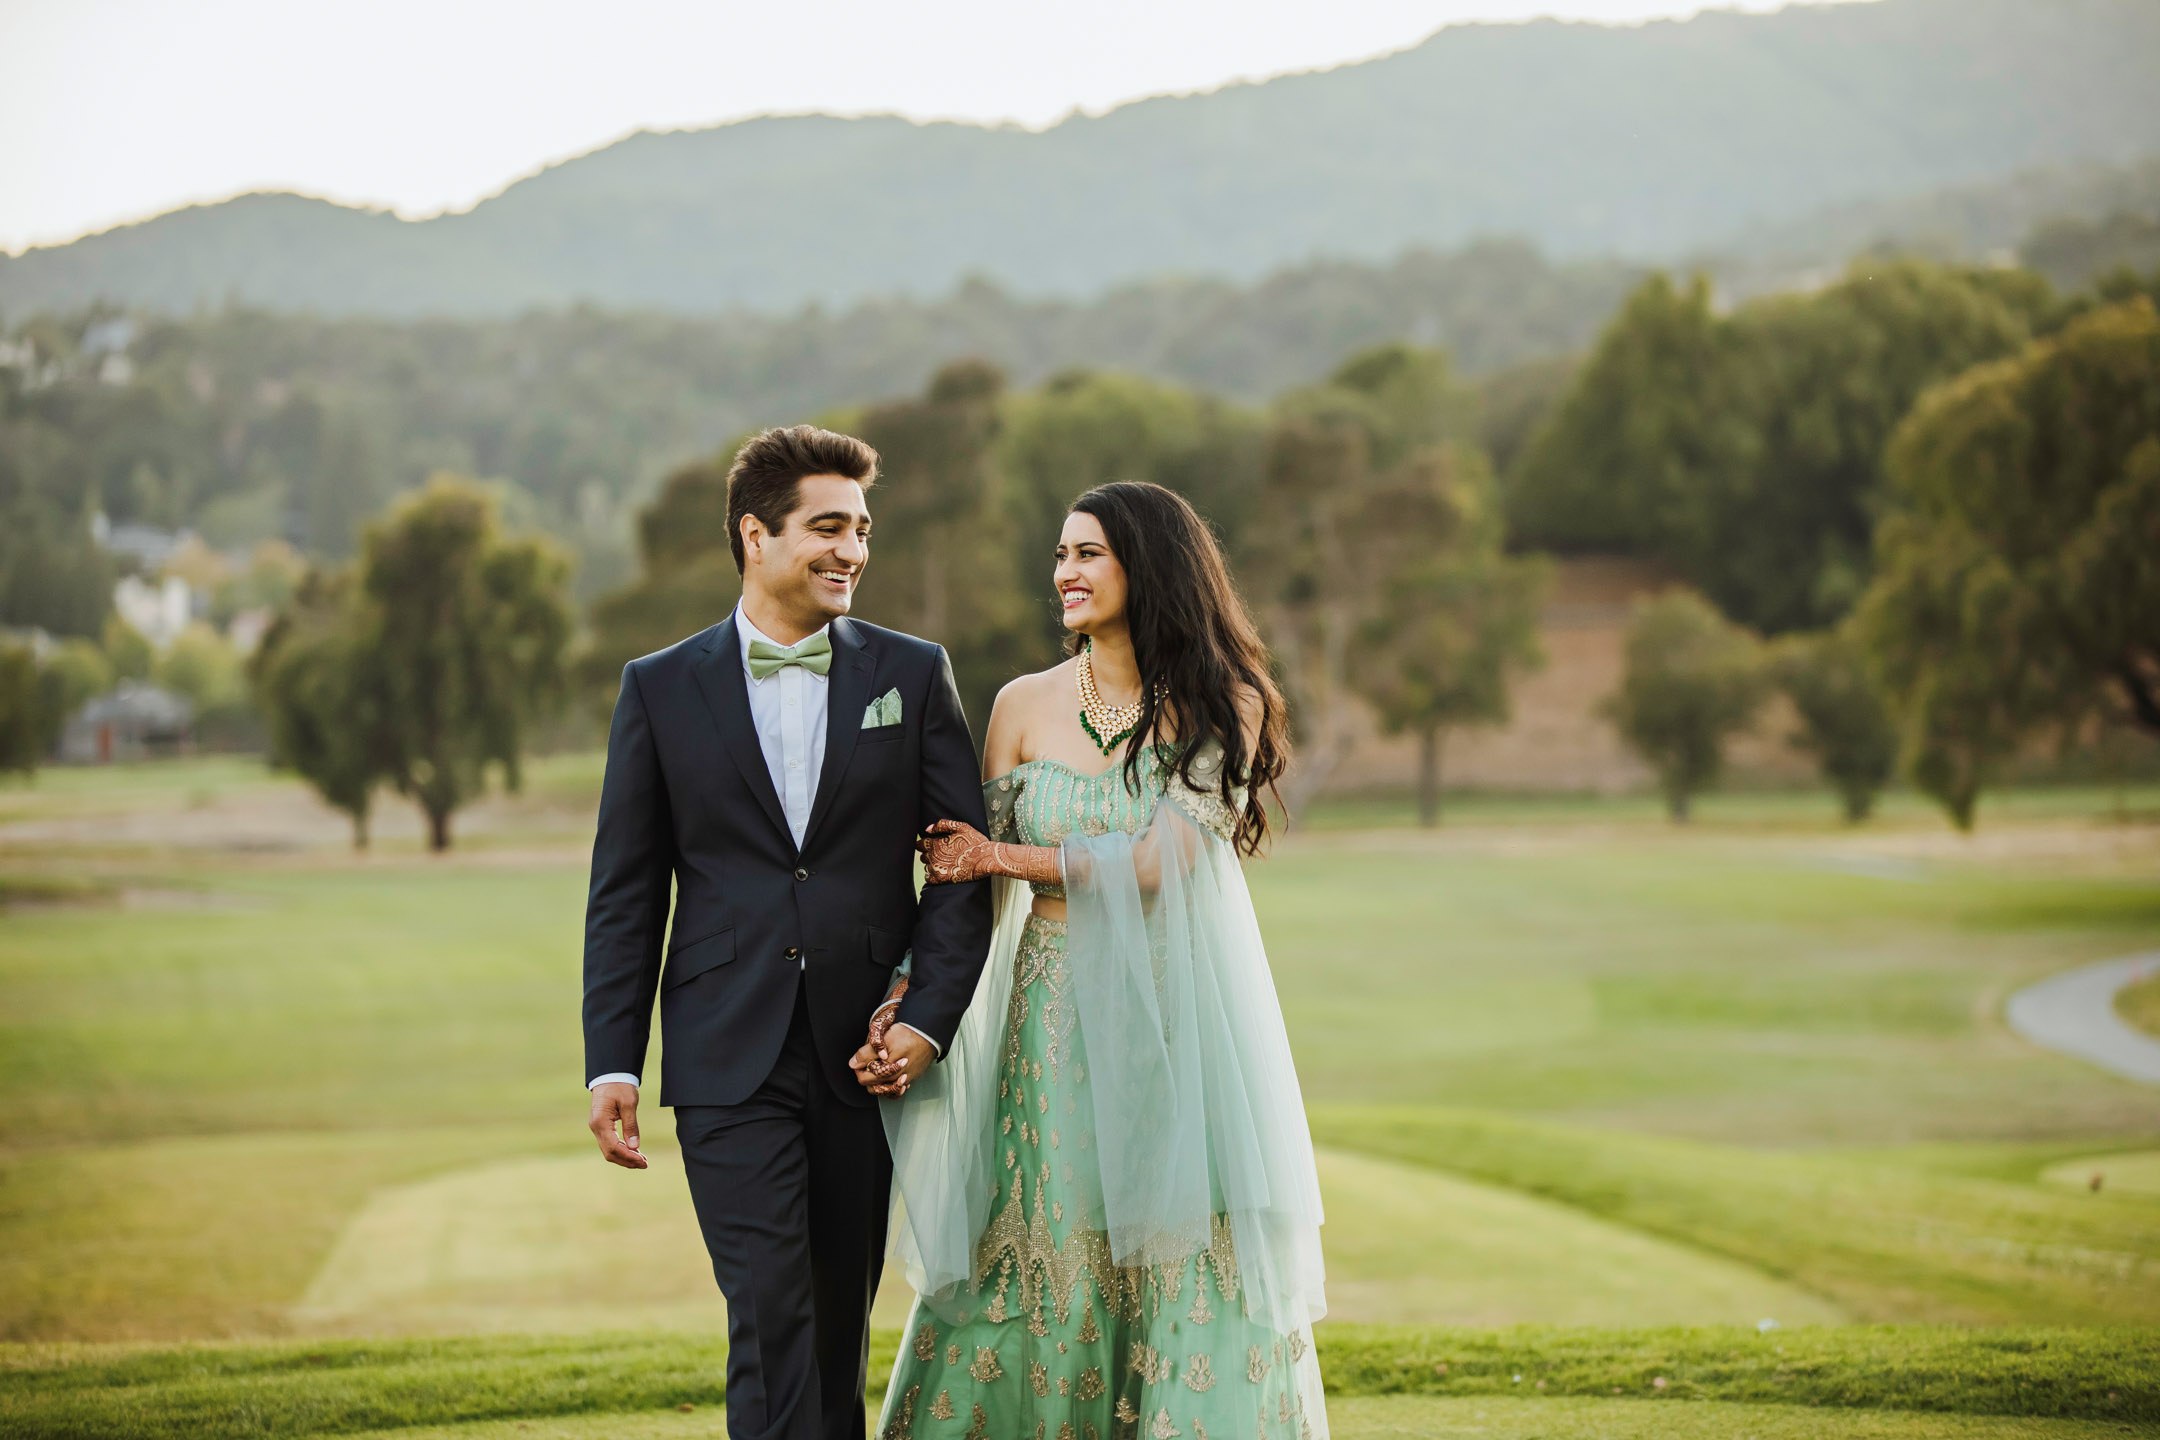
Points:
[(611, 1078), (936, 1048)]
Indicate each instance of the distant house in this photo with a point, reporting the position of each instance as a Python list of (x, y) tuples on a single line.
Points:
[(135, 722)]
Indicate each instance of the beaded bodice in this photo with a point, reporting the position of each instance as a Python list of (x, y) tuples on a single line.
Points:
[(1041, 802)]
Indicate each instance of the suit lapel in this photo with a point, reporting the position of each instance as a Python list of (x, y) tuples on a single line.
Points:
[(852, 668), (727, 694)]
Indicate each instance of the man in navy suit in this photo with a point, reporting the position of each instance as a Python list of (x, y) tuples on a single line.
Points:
[(774, 771)]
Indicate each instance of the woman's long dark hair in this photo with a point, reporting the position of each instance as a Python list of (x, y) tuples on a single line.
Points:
[(1197, 648)]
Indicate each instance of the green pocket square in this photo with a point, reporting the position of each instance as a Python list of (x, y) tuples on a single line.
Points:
[(885, 710)]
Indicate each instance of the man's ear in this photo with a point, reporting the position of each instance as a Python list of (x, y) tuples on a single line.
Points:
[(754, 535)]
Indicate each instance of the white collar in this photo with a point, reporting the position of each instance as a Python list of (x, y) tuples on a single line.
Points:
[(745, 632)]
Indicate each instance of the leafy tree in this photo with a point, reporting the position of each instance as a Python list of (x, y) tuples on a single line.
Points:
[(203, 666), (687, 579), (21, 743), (2019, 584), (317, 682), (943, 562), (1746, 451), (1452, 615), (73, 673), (1086, 428), (1844, 721), (468, 629), (1693, 680), (1627, 447), (127, 650), (1515, 403), (1306, 560)]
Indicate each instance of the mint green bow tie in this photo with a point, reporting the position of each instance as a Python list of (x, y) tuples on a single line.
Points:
[(813, 654)]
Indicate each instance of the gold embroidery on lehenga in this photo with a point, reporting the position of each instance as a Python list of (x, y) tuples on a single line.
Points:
[(952, 1354), (1164, 1427), (941, 1408), (1256, 1364), (903, 1421), (1148, 1363), (986, 1369), (1089, 1334), (1199, 1374), (980, 1429), (1039, 1379), (1091, 1384), (926, 1343), (1297, 1346)]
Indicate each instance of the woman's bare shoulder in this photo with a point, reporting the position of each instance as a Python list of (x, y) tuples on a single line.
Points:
[(1026, 702)]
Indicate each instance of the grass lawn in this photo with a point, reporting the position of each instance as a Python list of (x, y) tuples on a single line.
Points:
[(1804, 1382), (1885, 1241), (1369, 1418), (2140, 1004), (1568, 1065)]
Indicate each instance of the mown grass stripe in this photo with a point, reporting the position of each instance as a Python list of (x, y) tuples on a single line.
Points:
[(297, 1388), (1887, 1243)]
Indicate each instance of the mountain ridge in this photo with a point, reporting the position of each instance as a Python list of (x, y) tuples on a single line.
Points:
[(1645, 142)]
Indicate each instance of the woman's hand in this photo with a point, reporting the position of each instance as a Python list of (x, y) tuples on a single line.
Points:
[(954, 852)]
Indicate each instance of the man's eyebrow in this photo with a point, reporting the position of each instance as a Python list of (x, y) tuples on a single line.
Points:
[(841, 515)]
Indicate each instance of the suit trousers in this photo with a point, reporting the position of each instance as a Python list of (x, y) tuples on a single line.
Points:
[(791, 1188)]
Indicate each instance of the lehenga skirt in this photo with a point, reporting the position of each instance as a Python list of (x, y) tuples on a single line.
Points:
[(1064, 1344)]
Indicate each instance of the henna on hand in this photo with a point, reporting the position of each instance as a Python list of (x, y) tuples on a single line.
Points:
[(955, 852)]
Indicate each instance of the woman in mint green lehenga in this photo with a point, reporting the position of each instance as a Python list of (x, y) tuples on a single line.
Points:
[(1105, 1194)]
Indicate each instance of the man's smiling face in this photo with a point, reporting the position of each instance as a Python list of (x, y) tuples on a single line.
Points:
[(807, 570)]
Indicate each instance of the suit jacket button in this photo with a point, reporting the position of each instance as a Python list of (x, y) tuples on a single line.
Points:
[(802, 874), (791, 953)]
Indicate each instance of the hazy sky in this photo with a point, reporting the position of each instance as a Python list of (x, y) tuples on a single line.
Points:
[(112, 110)]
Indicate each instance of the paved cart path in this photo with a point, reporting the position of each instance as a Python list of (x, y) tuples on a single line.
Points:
[(2074, 1012)]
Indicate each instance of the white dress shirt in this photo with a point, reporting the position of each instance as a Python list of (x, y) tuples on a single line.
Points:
[(788, 709)]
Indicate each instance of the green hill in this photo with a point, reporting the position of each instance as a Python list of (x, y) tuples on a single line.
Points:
[(1647, 141)]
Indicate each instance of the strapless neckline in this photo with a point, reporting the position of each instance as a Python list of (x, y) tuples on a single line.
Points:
[(1074, 770)]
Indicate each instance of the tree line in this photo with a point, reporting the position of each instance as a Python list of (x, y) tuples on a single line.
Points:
[(1924, 484), (1957, 579), (248, 426)]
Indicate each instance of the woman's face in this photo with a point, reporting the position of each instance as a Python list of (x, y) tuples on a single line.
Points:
[(1090, 581)]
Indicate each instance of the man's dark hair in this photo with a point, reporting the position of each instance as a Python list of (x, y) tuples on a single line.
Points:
[(766, 478)]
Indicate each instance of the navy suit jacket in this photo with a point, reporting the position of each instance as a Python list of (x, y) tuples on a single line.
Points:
[(688, 802)]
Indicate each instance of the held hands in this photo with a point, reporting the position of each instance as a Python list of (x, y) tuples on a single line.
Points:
[(615, 1104), (890, 1060), (887, 1063)]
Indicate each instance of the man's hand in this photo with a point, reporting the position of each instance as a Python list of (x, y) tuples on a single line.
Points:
[(871, 1072), (907, 1055), (615, 1104)]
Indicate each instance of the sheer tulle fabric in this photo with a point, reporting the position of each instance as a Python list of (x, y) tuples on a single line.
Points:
[(943, 1145), (1198, 1114)]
